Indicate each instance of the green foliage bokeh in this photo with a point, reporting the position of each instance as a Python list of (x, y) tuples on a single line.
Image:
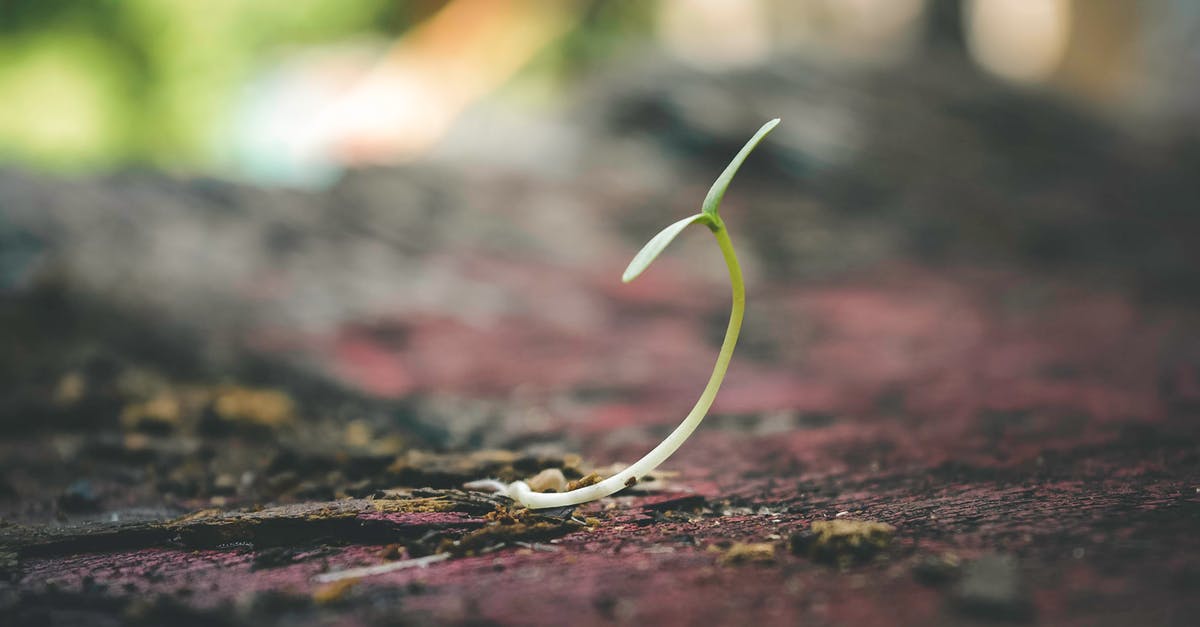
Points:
[(96, 82), (87, 84)]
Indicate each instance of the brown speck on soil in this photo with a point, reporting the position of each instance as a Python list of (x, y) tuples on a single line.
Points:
[(746, 553), (263, 408), (333, 592), (393, 552), (842, 541), (589, 479)]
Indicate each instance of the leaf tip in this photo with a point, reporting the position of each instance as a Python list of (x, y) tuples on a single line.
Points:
[(655, 246), (712, 202)]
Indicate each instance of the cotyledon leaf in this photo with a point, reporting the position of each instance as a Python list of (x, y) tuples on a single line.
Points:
[(708, 215), (712, 201), (656, 245)]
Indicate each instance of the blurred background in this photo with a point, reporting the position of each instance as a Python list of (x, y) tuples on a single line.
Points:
[(373, 225), (288, 91)]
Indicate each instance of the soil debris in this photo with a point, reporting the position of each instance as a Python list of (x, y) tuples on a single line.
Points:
[(747, 553), (548, 480), (842, 542), (393, 552), (354, 521), (160, 414), (333, 592), (412, 505), (509, 525), (495, 535), (590, 479), (422, 468), (253, 408)]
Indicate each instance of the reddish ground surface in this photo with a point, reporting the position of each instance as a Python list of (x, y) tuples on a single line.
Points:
[(1032, 444)]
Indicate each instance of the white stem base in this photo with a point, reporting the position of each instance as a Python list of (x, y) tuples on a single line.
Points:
[(520, 492)]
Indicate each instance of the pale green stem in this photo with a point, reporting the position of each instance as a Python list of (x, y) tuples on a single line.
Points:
[(519, 491)]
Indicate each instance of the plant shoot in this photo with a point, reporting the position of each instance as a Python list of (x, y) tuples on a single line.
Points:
[(520, 491)]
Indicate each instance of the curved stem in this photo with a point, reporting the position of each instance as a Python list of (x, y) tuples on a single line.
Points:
[(519, 491)]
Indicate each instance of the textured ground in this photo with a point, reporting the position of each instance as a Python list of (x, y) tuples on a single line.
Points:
[(216, 396)]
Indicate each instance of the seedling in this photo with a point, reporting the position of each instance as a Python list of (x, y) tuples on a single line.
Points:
[(520, 492)]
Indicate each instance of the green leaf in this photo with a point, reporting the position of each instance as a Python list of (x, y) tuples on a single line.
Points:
[(712, 201), (651, 250)]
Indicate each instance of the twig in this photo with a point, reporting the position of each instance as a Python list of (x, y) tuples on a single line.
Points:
[(379, 569)]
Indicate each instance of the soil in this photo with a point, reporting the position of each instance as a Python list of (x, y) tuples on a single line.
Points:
[(967, 389)]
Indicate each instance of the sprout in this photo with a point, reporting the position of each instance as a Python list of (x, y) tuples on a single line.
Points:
[(521, 492)]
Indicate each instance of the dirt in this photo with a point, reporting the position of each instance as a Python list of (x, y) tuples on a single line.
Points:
[(842, 541), (747, 553)]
